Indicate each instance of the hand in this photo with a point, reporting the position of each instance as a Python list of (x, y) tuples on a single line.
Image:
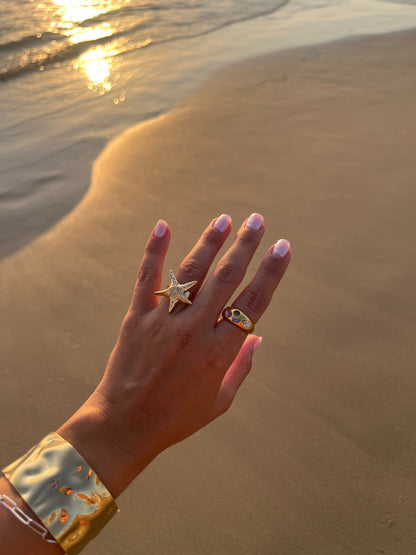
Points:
[(171, 374)]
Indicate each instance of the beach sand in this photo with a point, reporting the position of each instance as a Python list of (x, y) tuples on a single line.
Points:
[(318, 453)]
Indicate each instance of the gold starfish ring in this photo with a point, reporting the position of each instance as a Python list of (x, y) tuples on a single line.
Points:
[(176, 291)]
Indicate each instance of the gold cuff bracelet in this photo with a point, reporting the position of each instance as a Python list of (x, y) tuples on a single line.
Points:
[(63, 491)]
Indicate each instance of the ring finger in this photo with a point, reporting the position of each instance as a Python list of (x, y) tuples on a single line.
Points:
[(256, 296), (232, 267)]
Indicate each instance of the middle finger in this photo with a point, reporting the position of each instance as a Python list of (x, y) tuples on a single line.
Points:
[(197, 263), (232, 267)]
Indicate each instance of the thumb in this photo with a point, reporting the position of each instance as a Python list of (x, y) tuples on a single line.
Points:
[(237, 373)]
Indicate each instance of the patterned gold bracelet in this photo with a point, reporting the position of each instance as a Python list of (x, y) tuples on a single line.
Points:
[(63, 491)]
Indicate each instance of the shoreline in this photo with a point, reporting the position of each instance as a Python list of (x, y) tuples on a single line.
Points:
[(316, 454), (43, 180)]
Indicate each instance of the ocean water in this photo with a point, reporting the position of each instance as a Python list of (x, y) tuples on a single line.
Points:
[(75, 73)]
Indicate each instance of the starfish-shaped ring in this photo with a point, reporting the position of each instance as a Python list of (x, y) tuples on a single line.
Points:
[(176, 291)]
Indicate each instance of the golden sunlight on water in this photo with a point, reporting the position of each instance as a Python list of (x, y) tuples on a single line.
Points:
[(73, 11), (97, 64)]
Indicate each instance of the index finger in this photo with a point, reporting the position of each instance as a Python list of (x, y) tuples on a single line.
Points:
[(149, 275)]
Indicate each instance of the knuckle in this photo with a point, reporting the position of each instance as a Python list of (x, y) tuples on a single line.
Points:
[(247, 237), (157, 332), (131, 320), (228, 272), (136, 326), (182, 334), (212, 237), (152, 248), (191, 267), (186, 339), (130, 326), (255, 301), (145, 274), (214, 358)]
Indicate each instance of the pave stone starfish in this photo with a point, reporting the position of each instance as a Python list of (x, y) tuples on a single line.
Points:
[(176, 291)]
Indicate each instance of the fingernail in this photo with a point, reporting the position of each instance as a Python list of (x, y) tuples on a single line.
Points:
[(255, 222), (222, 222), (257, 344), (281, 248), (160, 229)]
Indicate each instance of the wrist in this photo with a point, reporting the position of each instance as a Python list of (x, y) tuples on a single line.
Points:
[(18, 535), (96, 435)]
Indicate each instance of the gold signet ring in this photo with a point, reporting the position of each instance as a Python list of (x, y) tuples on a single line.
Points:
[(176, 291), (238, 318)]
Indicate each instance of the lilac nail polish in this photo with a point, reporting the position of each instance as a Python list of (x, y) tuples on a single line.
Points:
[(160, 229), (281, 248), (222, 222), (255, 222)]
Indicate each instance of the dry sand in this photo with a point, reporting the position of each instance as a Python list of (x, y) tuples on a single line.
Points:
[(318, 454)]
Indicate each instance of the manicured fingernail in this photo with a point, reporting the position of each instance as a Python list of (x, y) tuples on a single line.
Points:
[(257, 344), (255, 222), (222, 222), (281, 248), (160, 229)]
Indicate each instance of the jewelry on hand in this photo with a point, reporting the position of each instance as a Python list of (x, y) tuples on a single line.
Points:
[(238, 318), (63, 491), (176, 291)]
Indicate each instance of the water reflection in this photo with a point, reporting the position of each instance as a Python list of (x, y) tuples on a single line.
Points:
[(76, 19), (96, 64), (93, 33), (71, 12)]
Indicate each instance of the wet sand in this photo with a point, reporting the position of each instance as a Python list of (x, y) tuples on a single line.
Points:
[(318, 454)]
